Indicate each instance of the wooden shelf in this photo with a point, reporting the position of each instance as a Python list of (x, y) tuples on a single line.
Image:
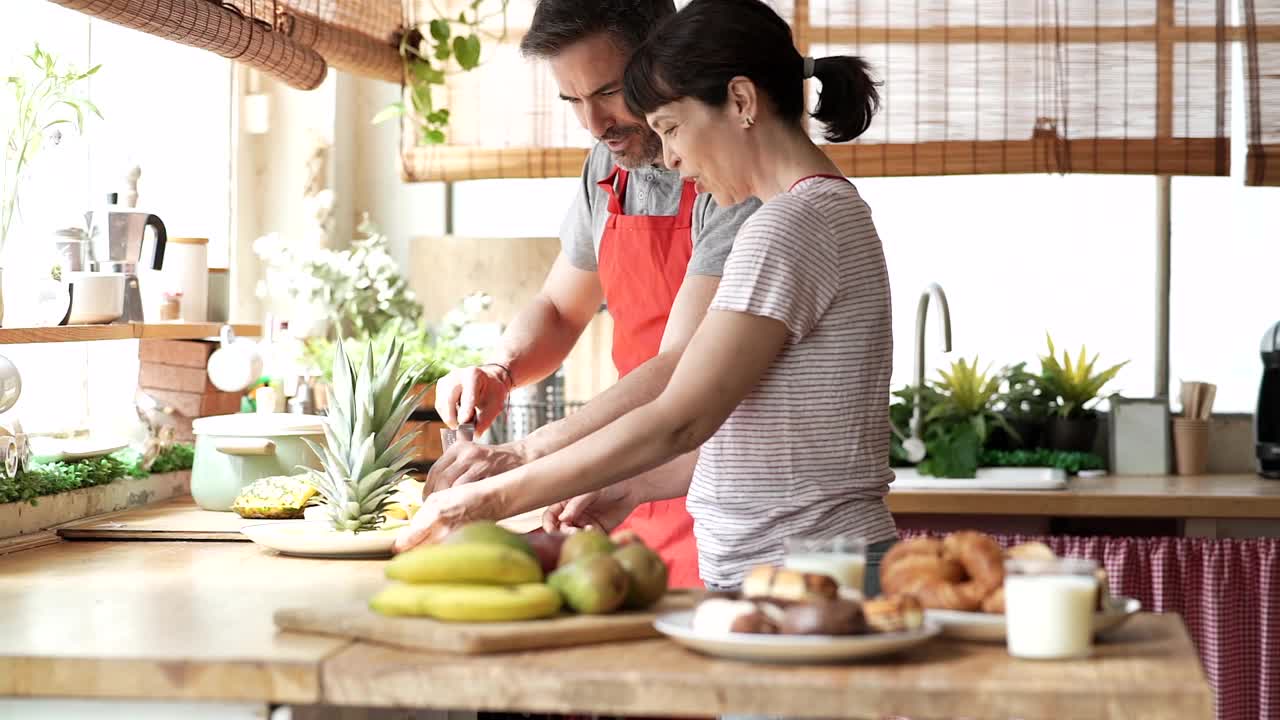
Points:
[(124, 331)]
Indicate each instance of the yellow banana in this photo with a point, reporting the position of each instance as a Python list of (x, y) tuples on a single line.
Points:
[(468, 603), (482, 563)]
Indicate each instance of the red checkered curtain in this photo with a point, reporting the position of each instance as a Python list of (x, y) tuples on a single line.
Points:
[(1261, 20), (1227, 592), (293, 40), (970, 86)]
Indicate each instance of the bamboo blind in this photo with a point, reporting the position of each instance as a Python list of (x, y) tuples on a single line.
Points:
[(1262, 90), (970, 86), (294, 40)]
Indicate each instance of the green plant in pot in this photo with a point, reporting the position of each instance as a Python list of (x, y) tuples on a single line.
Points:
[(960, 421), (1025, 408), (46, 99), (1073, 388)]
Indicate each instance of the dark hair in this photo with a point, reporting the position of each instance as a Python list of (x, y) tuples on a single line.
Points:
[(697, 51), (558, 24)]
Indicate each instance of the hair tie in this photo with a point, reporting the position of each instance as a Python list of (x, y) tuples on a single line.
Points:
[(808, 67)]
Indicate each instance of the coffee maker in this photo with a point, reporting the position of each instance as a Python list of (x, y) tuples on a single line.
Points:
[(116, 244), (1266, 421)]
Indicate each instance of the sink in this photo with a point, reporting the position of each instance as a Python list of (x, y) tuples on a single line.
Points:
[(989, 478)]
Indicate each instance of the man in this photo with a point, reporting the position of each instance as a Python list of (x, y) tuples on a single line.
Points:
[(636, 237)]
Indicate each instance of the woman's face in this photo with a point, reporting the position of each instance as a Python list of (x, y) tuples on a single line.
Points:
[(705, 144)]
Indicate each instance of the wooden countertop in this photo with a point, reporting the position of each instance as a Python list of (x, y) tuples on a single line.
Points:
[(1149, 670), (166, 620), (1168, 496), (192, 620)]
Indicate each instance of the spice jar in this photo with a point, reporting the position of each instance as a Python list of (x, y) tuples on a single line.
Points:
[(171, 308)]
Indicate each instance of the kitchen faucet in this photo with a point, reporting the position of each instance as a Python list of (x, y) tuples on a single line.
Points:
[(914, 445)]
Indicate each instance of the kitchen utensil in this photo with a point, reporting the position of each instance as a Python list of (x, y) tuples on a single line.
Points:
[(232, 451), (186, 270), (97, 298), (117, 239), (10, 384), (789, 648), (1191, 445), (465, 431), (73, 249), (236, 364), (356, 620)]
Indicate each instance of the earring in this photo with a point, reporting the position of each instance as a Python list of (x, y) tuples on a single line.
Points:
[(747, 121)]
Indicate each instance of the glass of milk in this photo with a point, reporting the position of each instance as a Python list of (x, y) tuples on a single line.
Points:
[(1049, 607), (843, 558)]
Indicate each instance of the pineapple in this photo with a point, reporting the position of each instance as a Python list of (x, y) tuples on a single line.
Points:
[(362, 465), (275, 498)]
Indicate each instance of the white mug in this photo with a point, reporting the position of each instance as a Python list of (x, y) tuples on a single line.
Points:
[(236, 364)]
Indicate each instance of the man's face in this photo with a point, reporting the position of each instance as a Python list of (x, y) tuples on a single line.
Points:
[(589, 75)]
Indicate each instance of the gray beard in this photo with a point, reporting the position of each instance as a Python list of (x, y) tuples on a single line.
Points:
[(650, 153)]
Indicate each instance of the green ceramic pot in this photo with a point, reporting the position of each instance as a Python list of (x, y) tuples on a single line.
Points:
[(233, 451)]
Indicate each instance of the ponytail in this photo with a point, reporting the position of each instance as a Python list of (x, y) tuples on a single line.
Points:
[(848, 97)]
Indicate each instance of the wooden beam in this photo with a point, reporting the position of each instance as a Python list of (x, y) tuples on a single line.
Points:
[(1023, 35), (1179, 156), (1166, 23)]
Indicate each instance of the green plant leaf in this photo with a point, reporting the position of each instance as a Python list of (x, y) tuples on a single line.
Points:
[(440, 30), (467, 51), (434, 137), (391, 111), (443, 51)]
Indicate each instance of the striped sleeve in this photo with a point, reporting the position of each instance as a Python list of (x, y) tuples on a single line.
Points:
[(782, 266)]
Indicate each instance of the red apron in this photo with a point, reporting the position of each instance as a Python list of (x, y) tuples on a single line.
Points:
[(642, 262)]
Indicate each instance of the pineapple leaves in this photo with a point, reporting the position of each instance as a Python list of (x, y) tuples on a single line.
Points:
[(363, 460)]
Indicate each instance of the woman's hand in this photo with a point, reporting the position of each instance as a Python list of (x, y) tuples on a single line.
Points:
[(443, 512), (603, 509)]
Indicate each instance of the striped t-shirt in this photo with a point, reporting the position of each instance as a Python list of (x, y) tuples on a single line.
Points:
[(807, 452)]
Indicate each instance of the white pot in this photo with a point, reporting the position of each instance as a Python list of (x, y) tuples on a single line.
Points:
[(98, 297)]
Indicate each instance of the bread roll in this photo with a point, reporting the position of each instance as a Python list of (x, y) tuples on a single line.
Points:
[(719, 615), (774, 583), (893, 613)]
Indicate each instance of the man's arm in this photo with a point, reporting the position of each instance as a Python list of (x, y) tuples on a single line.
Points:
[(540, 337), (640, 386)]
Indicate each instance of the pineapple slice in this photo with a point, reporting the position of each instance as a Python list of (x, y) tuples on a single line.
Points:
[(281, 497)]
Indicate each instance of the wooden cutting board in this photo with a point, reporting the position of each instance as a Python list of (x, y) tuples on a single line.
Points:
[(181, 519), (357, 622)]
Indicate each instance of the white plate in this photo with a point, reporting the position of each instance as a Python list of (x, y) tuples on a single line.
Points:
[(306, 538), (788, 648), (989, 627), (53, 450), (991, 478)]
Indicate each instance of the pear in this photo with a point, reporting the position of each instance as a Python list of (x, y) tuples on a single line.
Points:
[(591, 585), (584, 543), (647, 572)]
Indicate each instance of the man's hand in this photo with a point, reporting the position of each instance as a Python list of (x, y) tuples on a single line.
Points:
[(476, 393), (467, 462), (603, 509)]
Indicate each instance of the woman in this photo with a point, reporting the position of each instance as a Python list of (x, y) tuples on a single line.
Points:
[(784, 387)]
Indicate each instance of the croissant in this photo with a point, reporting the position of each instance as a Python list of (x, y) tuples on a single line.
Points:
[(956, 573)]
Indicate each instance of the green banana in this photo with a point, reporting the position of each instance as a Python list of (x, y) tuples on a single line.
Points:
[(484, 563), (468, 603)]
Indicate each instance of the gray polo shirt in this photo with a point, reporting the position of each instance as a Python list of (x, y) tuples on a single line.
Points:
[(650, 191)]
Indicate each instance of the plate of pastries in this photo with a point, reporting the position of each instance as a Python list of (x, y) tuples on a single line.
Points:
[(959, 581), (787, 616)]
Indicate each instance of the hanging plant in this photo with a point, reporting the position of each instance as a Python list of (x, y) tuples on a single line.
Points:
[(433, 51)]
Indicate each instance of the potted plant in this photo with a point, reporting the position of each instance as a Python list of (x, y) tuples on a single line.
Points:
[(1023, 405), (961, 416), (44, 102), (1072, 388)]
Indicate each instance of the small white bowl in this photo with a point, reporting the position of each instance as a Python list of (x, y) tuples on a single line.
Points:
[(97, 297)]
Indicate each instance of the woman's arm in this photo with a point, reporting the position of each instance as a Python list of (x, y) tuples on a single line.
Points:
[(724, 361)]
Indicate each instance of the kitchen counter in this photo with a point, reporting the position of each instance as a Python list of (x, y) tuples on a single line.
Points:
[(1161, 496), (192, 621)]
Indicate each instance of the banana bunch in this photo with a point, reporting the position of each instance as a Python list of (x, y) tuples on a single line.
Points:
[(485, 574)]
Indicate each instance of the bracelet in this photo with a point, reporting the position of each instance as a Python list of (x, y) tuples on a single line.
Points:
[(510, 378)]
